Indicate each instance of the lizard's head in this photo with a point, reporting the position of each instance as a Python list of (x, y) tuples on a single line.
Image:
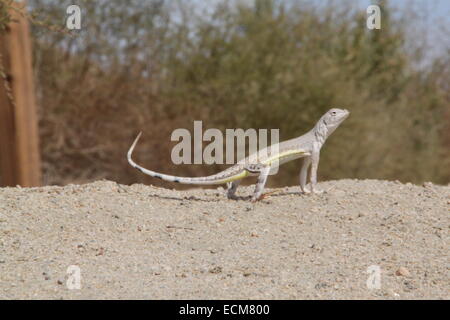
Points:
[(332, 119)]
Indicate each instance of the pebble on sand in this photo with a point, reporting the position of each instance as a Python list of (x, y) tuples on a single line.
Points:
[(402, 271)]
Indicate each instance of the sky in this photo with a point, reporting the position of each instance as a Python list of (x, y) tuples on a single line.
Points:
[(433, 21)]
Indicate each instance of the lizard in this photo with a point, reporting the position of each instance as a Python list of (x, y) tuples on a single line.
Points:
[(261, 164)]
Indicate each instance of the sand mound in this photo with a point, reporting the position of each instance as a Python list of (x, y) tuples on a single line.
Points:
[(144, 242)]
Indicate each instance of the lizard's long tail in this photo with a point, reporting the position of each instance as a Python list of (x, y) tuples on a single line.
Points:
[(219, 178)]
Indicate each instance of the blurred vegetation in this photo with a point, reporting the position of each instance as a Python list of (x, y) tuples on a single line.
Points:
[(159, 65), (5, 17)]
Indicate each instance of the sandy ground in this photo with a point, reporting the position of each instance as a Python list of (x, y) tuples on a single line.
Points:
[(143, 242)]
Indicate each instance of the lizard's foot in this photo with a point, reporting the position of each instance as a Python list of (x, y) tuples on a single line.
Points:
[(305, 190), (310, 190), (259, 198), (316, 190), (254, 199), (232, 196), (263, 196)]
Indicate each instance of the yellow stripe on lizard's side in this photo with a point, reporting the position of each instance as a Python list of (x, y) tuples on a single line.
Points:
[(282, 155), (238, 176), (268, 161)]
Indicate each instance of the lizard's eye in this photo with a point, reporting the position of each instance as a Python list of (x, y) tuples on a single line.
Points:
[(333, 113)]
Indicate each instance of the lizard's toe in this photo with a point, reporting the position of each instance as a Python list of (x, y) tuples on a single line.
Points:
[(305, 190), (262, 197), (232, 197), (257, 198)]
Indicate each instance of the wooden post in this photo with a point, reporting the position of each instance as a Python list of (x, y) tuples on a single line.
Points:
[(19, 140)]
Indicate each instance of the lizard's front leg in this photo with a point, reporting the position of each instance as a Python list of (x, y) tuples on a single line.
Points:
[(315, 156), (304, 174)]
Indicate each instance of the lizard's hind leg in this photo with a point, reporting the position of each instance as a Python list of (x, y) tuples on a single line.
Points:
[(232, 187), (262, 178)]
